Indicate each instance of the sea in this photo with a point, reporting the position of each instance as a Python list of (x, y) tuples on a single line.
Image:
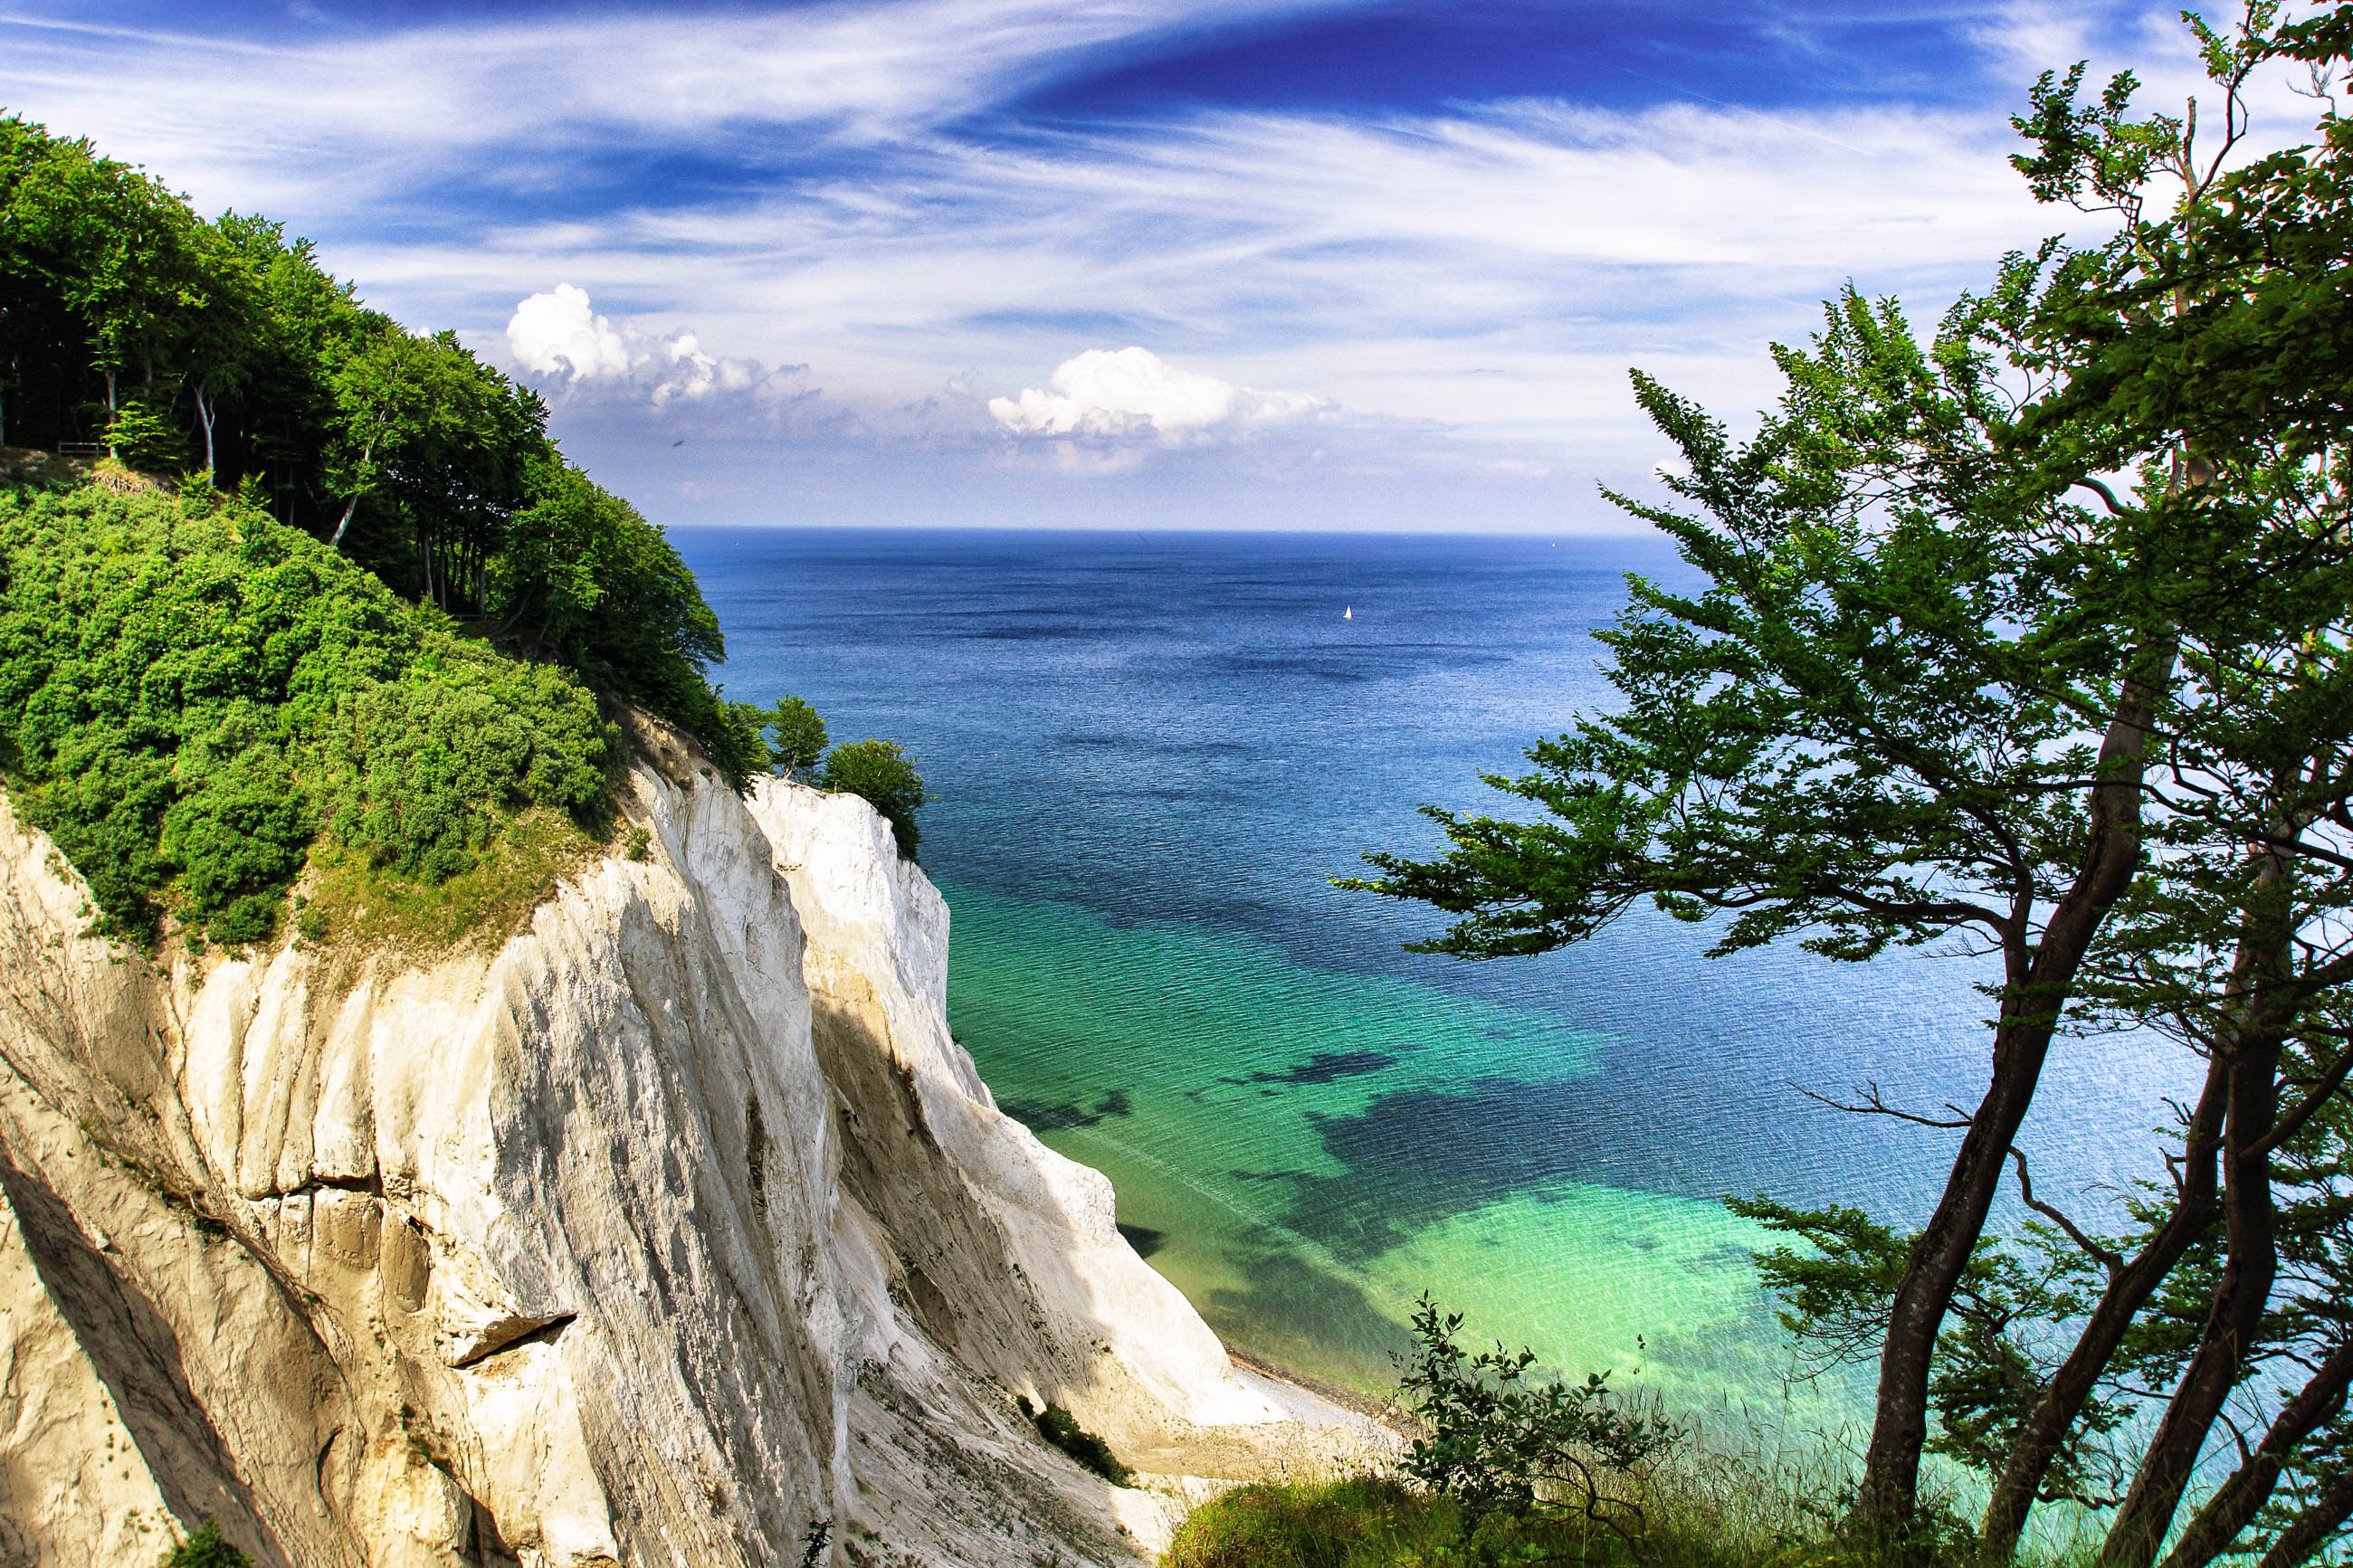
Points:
[(1150, 754)]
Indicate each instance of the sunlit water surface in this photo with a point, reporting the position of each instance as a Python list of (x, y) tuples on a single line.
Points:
[(1151, 753)]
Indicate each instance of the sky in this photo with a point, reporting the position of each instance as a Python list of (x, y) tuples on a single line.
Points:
[(1321, 264)]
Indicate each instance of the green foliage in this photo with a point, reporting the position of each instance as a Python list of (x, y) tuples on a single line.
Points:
[(584, 578), (191, 692), (144, 438), (1500, 1441), (1360, 1522), (224, 344), (884, 777), (206, 1549), (1857, 729), (1994, 1356), (1062, 1428), (1723, 1512), (422, 771), (797, 737)]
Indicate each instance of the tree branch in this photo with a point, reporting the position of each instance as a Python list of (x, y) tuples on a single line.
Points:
[(1874, 1104), (2112, 1261), (2100, 488)]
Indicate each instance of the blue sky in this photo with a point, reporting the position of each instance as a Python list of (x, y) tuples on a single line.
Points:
[(1107, 263)]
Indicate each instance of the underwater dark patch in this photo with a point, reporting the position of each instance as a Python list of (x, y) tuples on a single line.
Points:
[(1041, 1117)]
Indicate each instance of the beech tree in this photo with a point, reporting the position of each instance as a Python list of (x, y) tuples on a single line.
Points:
[(1871, 728), (1954, 679)]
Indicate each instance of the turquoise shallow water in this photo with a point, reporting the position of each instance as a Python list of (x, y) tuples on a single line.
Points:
[(1152, 751)]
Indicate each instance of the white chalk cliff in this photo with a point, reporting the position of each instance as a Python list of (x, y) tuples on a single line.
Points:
[(674, 1230)]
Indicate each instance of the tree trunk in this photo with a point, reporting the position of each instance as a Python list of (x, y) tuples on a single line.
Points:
[(2314, 1527), (2072, 1386), (2250, 1046), (205, 417), (354, 505), (2037, 990), (2237, 1500)]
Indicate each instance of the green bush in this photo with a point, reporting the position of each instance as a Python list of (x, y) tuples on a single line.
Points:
[(1500, 1441), (884, 777), (1062, 1428), (206, 1549), (190, 693)]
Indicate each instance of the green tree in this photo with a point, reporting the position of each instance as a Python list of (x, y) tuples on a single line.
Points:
[(1819, 744), (1867, 729), (584, 578), (884, 777), (144, 437), (797, 737)]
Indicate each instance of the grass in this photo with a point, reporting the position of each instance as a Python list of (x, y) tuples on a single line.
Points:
[(347, 901), (1701, 1514)]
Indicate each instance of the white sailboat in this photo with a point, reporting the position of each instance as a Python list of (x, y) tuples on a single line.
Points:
[(1348, 613)]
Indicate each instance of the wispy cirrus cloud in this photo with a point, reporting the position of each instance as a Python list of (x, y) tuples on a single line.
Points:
[(711, 218)]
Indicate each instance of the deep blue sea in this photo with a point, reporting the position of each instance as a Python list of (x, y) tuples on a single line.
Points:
[(1151, 753)]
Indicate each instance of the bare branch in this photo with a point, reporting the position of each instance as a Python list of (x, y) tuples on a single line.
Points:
[(2112, 1261), (2323, 1088), (1874, 1104)]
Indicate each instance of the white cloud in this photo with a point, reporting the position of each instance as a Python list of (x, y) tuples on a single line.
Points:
[(1480, 277), (560, 331), (1133, 391), (558, 334)]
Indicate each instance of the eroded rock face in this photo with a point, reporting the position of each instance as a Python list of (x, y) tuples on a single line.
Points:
[(675, 1230)]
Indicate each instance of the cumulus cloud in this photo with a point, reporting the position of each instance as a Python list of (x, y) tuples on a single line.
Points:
[(560, 331), (557, 333), (1133, 391)]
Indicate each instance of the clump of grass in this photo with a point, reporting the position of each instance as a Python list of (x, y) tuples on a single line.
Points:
[(1061, 1428), (1710, 1514), (1362, 1523), (352, 901)]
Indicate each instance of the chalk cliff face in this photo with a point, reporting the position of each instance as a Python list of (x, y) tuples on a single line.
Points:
[(674, 1229)]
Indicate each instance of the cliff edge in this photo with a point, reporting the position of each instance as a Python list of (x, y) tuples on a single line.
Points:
[(673, 1230)]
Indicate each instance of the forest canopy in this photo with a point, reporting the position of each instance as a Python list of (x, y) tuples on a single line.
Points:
[(132, 326)]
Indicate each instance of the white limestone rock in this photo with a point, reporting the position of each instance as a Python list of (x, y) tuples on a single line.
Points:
[(668, 1230)]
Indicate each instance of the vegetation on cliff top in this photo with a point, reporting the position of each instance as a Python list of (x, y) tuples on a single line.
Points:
[(131, 324), (370, 631), (191, 694)]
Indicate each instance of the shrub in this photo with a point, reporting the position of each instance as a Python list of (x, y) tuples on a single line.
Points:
[(206, 1549), (1500, 1442), (884, 777), (1061, 1428)]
